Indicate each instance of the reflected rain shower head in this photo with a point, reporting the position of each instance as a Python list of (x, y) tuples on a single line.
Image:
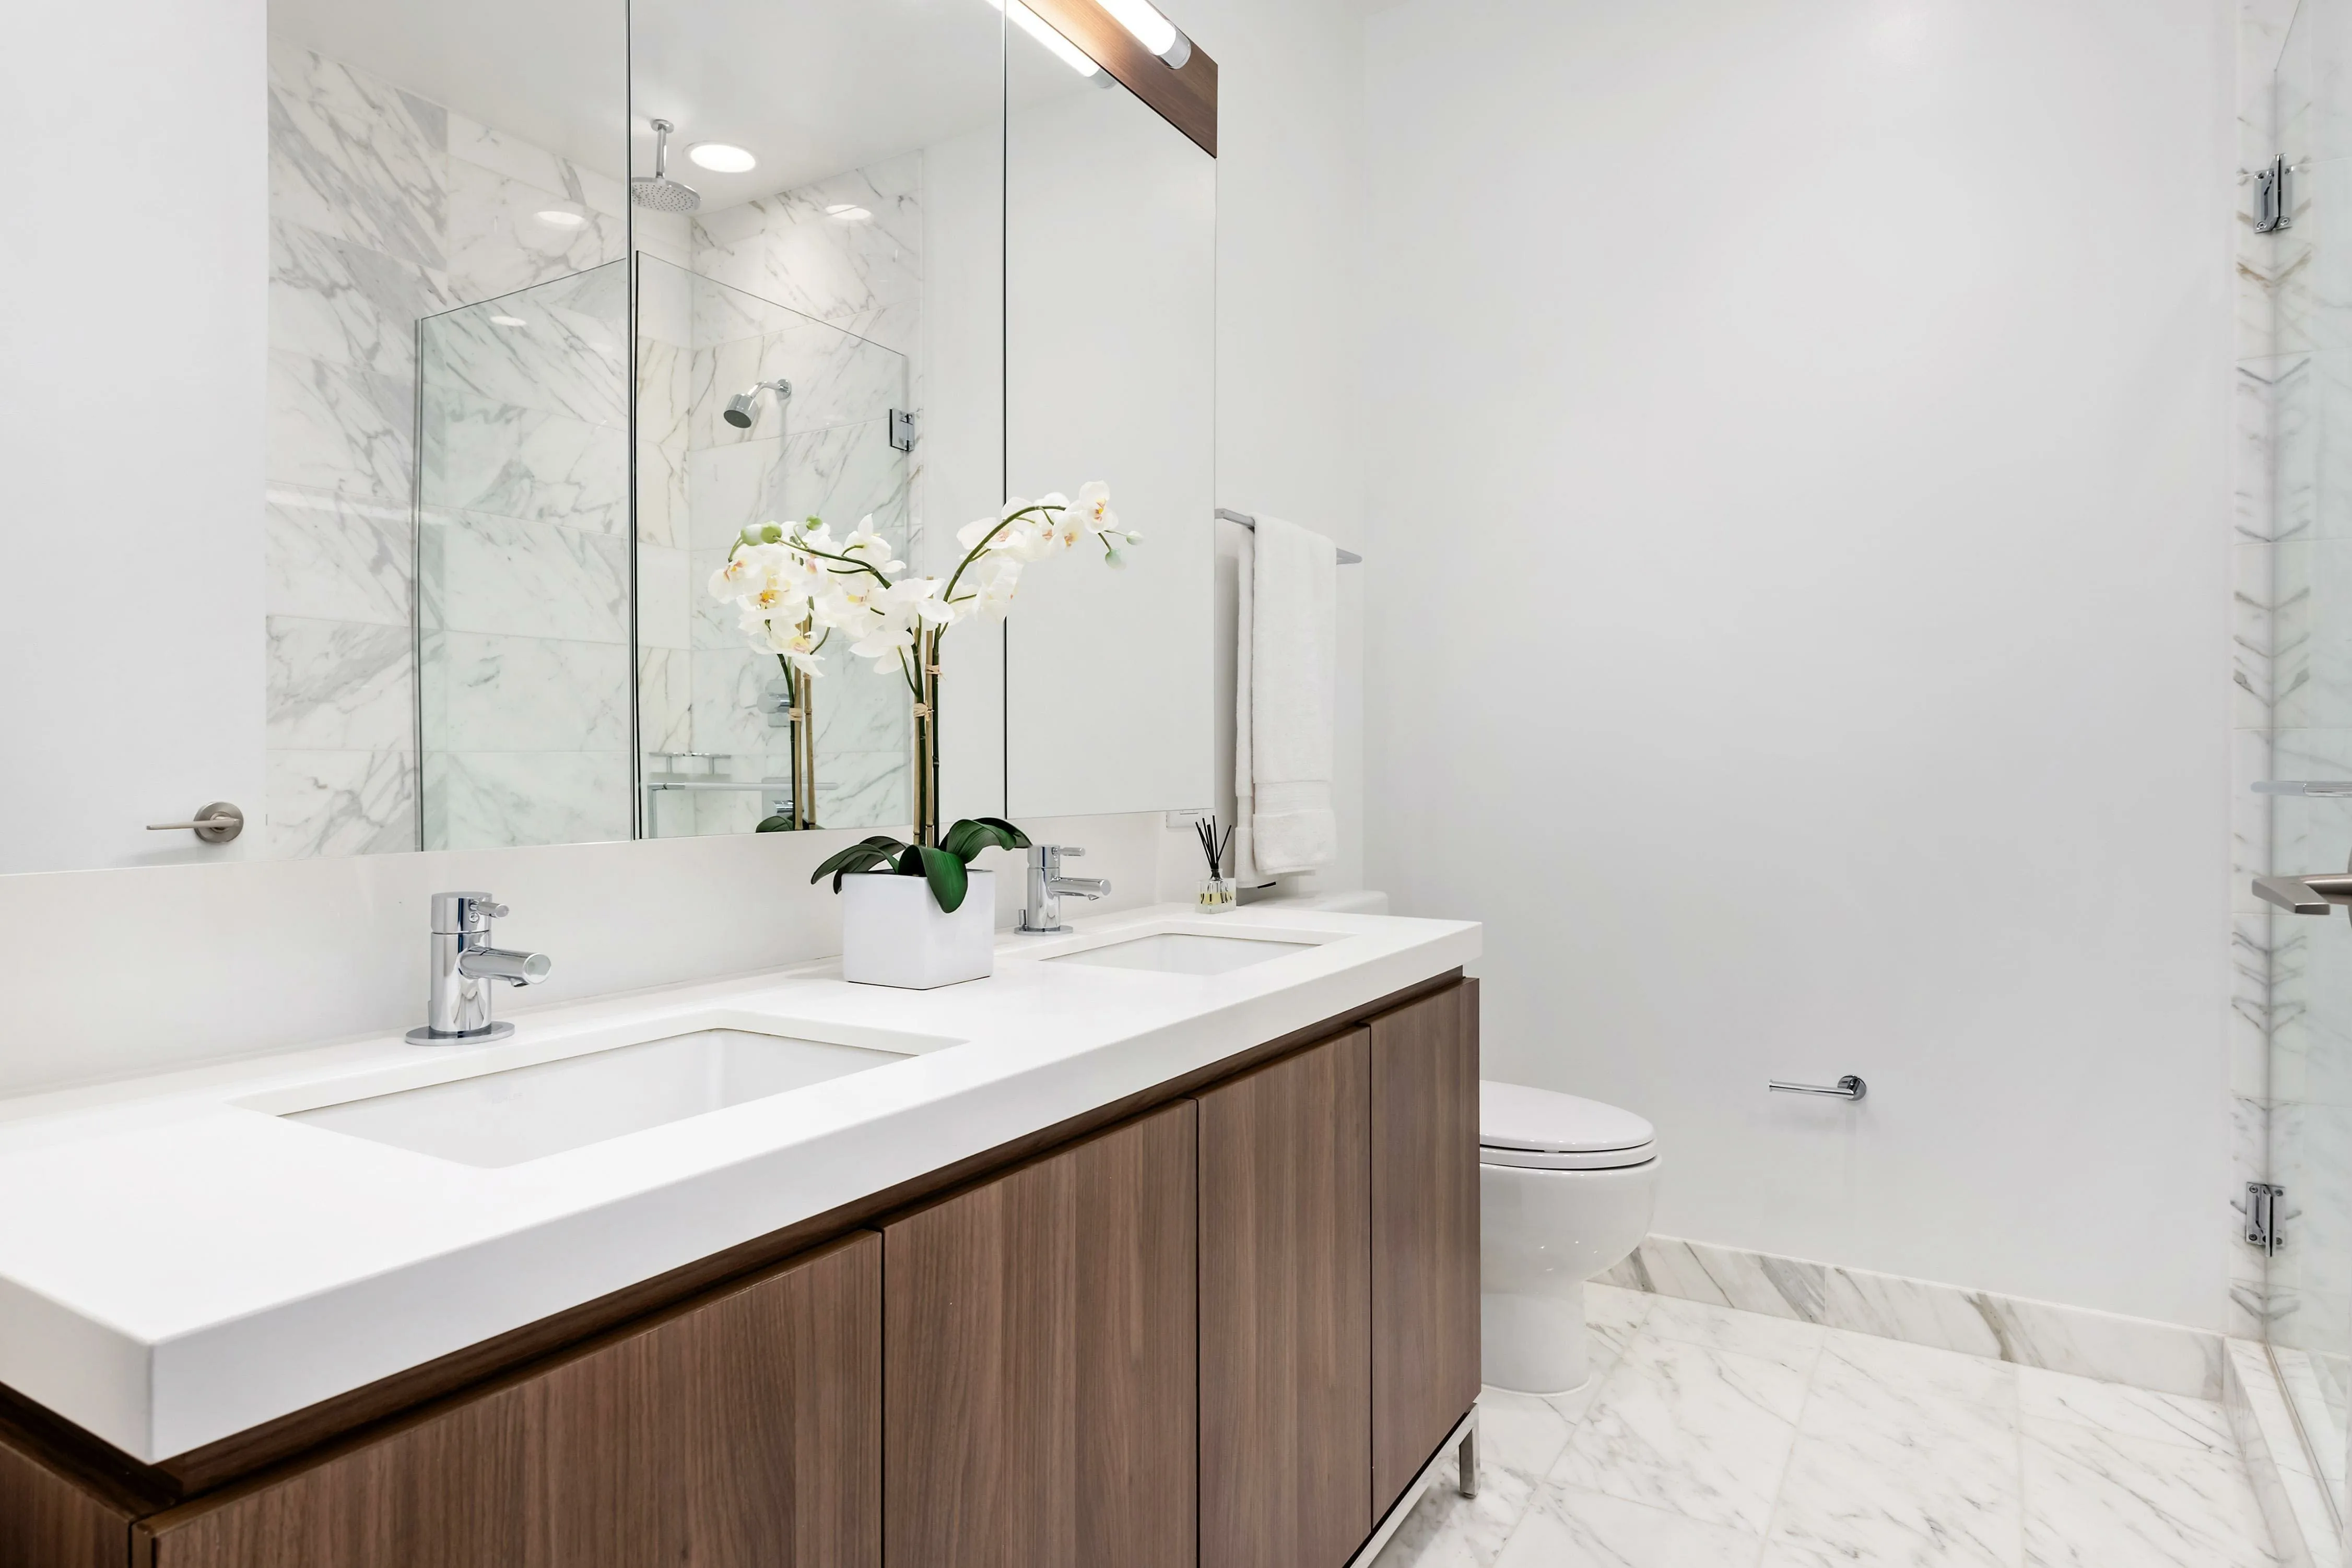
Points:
[(744, 408), (661, 194)]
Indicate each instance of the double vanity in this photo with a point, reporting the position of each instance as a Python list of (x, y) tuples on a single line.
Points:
[(1157, 1246)]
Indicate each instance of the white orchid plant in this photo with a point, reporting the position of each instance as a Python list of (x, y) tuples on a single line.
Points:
[(798, 588)]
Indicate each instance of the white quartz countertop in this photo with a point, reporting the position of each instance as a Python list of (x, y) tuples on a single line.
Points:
[(179, 1263)]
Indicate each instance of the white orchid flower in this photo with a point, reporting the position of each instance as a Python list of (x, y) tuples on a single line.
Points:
[(748, 571), (920, 598), (869, 548), (883, 643), (796, 646), (998, 577), (1093, 508)]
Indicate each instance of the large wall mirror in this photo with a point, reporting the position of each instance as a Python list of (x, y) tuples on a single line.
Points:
[(565, 298)]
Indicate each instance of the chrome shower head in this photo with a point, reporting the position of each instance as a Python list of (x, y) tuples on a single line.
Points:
[(744, 408), (661, 194)]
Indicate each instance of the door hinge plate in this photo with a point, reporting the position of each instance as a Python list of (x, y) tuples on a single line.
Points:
[(2265, 1210), (2273, 207)]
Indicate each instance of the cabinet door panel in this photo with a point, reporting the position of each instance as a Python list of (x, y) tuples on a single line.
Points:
[(1425, 1231), (49, 1522), (742, 1430), (1286, 1397), (1040, 1372)]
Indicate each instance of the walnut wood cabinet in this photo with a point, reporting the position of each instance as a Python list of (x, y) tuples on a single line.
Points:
[(1338, 1282), (1040, 1362), (1286, 1311), (1222, 1324), (741, 1432), (1424, 1226)]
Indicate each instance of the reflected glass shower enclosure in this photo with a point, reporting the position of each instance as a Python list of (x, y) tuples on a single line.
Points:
[(523, 568), (813, 439)]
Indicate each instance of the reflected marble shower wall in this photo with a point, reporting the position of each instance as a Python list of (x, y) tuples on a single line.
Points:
[(821, 287), (523, 566), (385, 209)]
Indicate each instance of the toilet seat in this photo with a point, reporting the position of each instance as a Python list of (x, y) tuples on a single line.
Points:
[(1539, 1129)]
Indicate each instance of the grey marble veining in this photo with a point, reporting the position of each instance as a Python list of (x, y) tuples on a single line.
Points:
[(525, 579), (339, 685), (353, 157), (1948, 1317), (533, 694), (341, 802), (499, 244), (496, 799), (792, 249), (341, 428), (1726, 1277), (334, 300), (526, 464), (1814, 1448), (338, 558)]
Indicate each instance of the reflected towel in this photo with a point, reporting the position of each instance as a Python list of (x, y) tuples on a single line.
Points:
[(1286, 672)]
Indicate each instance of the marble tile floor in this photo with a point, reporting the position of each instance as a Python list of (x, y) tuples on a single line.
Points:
[(1711, 1436)]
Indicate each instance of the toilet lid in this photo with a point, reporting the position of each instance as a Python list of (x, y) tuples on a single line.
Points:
[(1514, 1120)]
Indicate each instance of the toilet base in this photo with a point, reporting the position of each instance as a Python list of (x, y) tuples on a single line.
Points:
[(1535, 1344)]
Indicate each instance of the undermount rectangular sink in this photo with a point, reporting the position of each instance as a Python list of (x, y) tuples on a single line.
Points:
[(526, 1112), (1184, 953)]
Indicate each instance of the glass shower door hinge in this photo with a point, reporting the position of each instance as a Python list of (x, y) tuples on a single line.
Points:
[(2265, 1208), (902, 430), (2272, 209)]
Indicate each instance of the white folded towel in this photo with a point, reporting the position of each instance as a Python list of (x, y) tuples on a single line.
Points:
[(1285, 675)]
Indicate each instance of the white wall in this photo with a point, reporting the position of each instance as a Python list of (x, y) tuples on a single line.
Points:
[(1796, 451), (130, 430)]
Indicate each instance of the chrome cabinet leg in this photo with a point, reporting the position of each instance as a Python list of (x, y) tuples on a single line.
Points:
[(1466, 1461)]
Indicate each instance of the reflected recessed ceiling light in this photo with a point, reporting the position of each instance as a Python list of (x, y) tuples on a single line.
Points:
[(848, 211), (562, 217), (1037, 27), (508, 322), (1152, 30), (722, 157)]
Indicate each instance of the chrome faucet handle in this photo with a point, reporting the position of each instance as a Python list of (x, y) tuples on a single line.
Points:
[(466, 914), (1070, 851)]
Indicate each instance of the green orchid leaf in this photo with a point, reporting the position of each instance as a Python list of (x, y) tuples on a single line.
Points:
[(959, 841), (774, 825), (943, 871), (1014, 838), (877, 844), (864, 855)]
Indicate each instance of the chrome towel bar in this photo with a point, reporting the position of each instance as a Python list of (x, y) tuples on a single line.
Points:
[(1847, 1087)]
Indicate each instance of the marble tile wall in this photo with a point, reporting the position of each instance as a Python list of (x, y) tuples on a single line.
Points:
[(386, 209), (820, 287)]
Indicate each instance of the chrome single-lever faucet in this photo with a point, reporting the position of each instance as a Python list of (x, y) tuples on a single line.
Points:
[(1041, 910), (463, 965)]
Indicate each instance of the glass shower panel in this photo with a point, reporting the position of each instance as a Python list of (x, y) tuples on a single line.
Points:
[(715, 721), (522, 561), (2294, 573)]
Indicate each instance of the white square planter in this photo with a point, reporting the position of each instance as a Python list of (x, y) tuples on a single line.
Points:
[(893, 932)]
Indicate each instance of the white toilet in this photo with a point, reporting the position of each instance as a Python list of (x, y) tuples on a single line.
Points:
[(1566, 1187)]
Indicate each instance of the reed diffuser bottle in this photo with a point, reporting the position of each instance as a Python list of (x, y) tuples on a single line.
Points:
[(1216, 895)]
